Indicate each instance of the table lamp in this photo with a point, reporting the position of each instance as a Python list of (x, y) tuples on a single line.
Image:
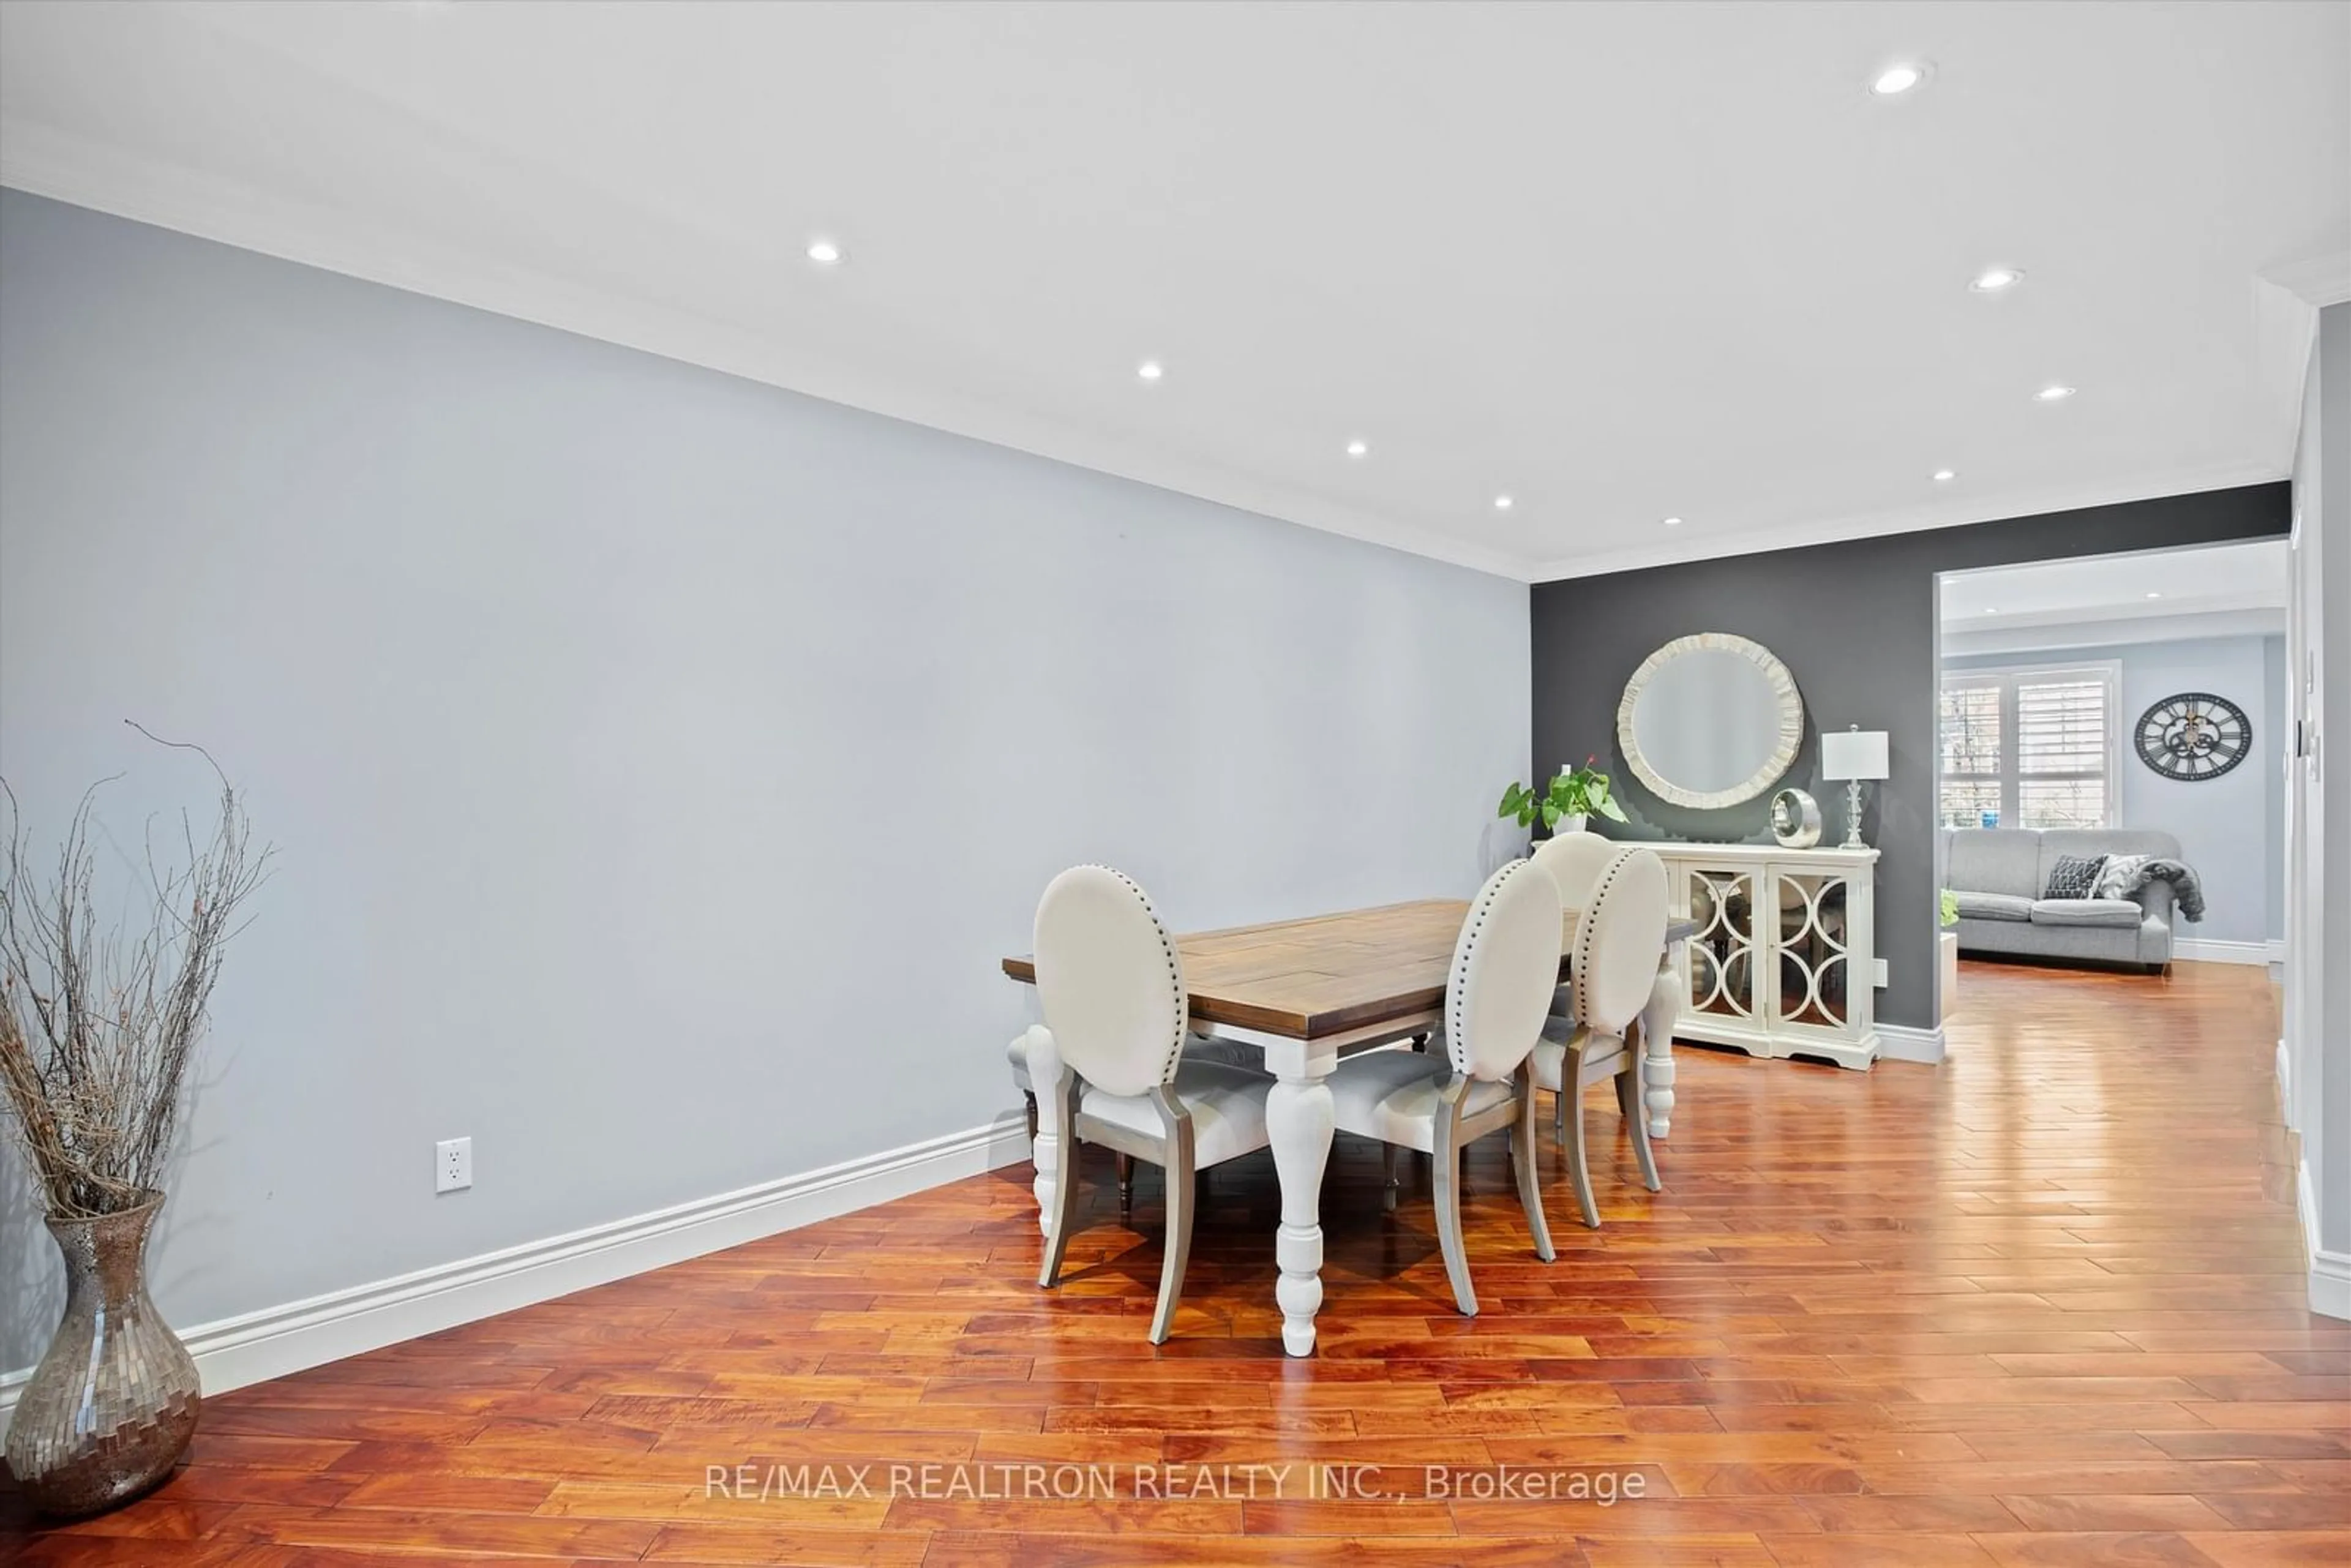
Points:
[(1855, 755)]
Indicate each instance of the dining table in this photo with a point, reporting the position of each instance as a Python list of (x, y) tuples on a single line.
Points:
[(1305, 993)]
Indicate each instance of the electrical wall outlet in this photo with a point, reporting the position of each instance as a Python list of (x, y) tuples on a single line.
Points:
[(453, 1164), (1878, 977)]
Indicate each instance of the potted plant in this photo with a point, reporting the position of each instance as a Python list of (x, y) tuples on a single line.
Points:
[(1570, 801), (98, 1022), (1947, 957)]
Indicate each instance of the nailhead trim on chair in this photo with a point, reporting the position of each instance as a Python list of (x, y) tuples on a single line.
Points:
[(1174, 972), (1587, 925), (1457, 988)]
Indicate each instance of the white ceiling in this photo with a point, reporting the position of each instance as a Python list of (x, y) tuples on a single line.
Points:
[(2155, 593), (2218, 577), (1619, 260)]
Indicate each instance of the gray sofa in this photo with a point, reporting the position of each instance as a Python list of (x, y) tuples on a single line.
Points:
[(1999, 874)]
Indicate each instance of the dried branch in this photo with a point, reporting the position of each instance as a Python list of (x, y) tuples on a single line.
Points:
[(98, 1030)]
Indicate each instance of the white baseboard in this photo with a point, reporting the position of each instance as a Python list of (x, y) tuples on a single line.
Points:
[(2196, 951), (2285, 1087), (2330, 1273), (2330, 1285), (275, 1341), (1898, 1042)]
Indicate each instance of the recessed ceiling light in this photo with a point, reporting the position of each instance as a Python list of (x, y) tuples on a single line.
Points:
[(1898, 78), (1673, 522), (1503, 503), (1989, 610), (1357, 448), (1945, 475), (2053, 394), (1994, 279), (1151, 370), (824, 252), (2153, 595)]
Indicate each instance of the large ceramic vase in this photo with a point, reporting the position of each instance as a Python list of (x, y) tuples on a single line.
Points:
[(111, 1406)]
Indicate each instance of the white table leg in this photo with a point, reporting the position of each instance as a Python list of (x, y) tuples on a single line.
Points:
[(1299, 1121), (1049, 1082), (1657, 1042)]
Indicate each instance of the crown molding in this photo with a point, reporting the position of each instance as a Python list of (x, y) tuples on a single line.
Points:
[(1919, 519), (42, 162), (2319, 280)]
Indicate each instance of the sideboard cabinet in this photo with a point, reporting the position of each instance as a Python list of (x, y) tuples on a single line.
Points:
[(1783, 961)]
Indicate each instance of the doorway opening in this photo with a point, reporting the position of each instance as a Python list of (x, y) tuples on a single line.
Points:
[(2112, 745)]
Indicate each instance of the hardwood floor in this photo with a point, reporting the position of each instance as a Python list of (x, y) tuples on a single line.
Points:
[(2041, 1304)]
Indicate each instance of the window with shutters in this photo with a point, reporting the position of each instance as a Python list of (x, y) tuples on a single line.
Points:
[(2029, 748)]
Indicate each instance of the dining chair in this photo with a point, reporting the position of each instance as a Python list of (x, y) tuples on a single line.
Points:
[(1497, 996), (1612, 970), (1196, 1048), (1112, 986), (1574, 860)]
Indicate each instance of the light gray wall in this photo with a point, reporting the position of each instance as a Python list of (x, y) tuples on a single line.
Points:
[(2333, 1173), (2274, 752), (1855, 624), (2303, 1068), (659, 762), (2224, 825)]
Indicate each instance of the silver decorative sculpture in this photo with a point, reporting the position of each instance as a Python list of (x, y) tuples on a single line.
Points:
[(1795, 819)]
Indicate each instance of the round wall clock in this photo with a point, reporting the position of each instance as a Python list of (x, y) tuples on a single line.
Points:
[(2194, 737)]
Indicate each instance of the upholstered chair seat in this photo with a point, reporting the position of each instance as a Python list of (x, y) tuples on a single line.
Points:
[(1226, 1104), (1395, 1095), (1196, 1048), (1230, 1052)]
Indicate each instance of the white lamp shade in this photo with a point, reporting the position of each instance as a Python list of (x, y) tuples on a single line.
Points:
[(1853, 754)]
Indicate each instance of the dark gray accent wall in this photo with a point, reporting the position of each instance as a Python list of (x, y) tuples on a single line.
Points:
[(1856, 623)]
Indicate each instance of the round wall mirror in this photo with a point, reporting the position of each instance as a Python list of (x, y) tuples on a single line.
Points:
[(1711, 720)]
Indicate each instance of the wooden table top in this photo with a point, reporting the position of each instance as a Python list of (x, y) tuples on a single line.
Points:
[(1328, 974)]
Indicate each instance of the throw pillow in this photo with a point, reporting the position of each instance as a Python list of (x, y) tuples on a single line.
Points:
[(2121, 871), (2074, 876)]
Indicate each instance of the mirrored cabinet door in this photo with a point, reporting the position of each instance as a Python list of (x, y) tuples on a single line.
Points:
[(1812, 946), (1722, 954)]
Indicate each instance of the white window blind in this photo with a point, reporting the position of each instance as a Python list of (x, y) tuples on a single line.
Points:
[(2029, 748)]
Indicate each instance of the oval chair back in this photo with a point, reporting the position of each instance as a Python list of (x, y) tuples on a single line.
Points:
[(1109, 981), (1505, 968), (1619, 942), (1575, 862)]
